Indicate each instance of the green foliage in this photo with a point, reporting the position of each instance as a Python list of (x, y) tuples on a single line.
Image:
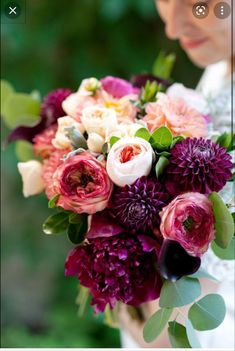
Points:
[(6, 91), (113, 140), (224, 254), (161, 165), (207, 313), (26, 113), (179, 293), (177, 335), (156, 323), (163, 65), (201, 273), (192, 336), (24, 151), (56, 224), (149, 92), (53, 200), (76, 231), (143, 133), (111, 316), (161, 139), (226, 140), (76, 138), (224, 226), (176, 140)]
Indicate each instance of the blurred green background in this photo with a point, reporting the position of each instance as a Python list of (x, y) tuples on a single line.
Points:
[(60, 44)]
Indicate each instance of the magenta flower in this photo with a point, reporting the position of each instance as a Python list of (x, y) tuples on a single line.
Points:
[(118, 87), (189, 220), (118, 268)]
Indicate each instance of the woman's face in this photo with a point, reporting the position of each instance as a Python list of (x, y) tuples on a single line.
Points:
[(205, 40)]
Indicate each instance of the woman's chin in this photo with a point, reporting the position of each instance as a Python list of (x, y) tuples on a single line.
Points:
[(202, 60)]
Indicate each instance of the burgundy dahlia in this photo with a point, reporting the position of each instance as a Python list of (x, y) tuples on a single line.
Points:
[(198, 165), (51, 108), (137, 206), (118, 268)]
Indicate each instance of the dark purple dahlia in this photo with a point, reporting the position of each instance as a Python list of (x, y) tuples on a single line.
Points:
[(198, 165), (51, 107), (136, 207), (118, 268)]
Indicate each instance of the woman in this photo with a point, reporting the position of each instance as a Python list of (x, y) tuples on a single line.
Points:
[(207, 42)]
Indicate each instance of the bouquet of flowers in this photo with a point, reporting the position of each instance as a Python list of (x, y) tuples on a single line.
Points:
[(133, 180)]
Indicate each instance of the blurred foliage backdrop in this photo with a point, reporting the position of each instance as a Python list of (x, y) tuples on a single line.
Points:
[(61, 43)]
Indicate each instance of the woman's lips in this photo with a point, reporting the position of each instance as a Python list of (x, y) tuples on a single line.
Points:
[(192, 44)]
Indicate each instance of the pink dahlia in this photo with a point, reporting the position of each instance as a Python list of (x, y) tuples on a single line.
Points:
[(198, 165), (189, 220), (118, 268), (136, 207), (83, 184)]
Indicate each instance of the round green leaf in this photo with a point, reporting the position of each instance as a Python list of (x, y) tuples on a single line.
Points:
[(201, 273), (24, 151), (161, 164), (6, 91), (224, 226), (207, 313), (143, 133), (224, 254), (177, 335), (162, 136), (21, 109), (56, 223), (156, 323), (192, 336), (113, 140), (179, 293)]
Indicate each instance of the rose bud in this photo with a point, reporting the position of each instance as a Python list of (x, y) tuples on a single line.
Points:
[(128, 160), (95, 142), (82, 183), (31, 173), (189, 220)]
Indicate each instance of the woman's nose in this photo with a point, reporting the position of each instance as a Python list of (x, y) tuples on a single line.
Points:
[(176, 19)]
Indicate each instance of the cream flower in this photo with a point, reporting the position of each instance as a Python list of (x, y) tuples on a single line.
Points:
[(99, 120), (61, 141), (31, 173), (89, 86), (124, 130), (128, 160), (95, 142)]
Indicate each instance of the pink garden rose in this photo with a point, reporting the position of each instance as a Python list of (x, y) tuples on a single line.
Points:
[(82, 183), (175, 114), (118, 87), (189, 220)]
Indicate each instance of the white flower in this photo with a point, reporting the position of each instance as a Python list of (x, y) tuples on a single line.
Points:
[(99, 120), (31, 173), (61, 141), (124, 130), (128, 160), (95, 142)]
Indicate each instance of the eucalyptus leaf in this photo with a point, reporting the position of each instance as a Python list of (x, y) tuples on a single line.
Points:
[(179, 293), (192, 336), (105, 148), (24, 151), (162, 136), (113, 140), (178, 336), (224, 254), (156, 323), (76, 138), (56, 223), (201, 273), (161, 164), (76, 232), (143, 133), (207, 313), (21, 109), (224, 226)]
